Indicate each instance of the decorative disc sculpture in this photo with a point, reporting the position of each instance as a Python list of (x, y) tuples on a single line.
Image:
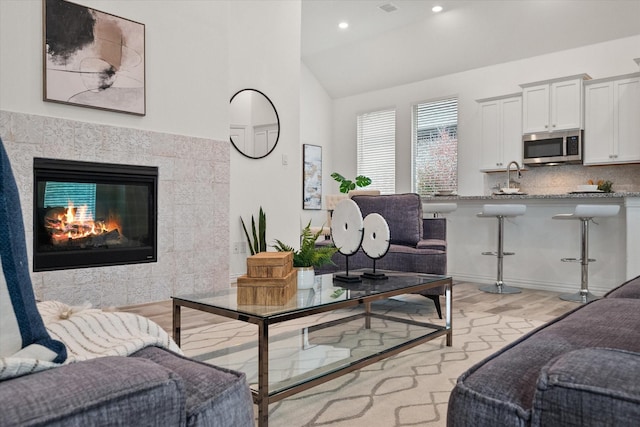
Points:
[(375, 242), (347, 232)]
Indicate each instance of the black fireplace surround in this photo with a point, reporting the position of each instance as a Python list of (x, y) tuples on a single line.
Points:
[(93, 214)]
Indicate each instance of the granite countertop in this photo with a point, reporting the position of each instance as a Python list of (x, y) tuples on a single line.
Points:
[(533, 196)]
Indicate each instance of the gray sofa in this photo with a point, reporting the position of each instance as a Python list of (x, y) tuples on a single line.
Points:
[(417, 245), (153, 387), (582, 369)]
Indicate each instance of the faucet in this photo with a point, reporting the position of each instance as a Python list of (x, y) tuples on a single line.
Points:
[(509, 172)]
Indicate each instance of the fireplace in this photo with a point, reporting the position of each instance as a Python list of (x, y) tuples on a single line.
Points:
[(93, 214)]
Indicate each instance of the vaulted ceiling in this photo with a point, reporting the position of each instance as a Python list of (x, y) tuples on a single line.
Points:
[(382, 49)]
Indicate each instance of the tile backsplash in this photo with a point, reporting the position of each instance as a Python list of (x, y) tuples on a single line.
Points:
[(193, 207), (565, 178)]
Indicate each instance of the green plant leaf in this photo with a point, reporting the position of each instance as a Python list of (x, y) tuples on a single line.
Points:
[(346, 185), (362, 181), (308, 255), (259, 241), (246, 233), (282, 247), (262, 230), (337, 177), (256, 246)]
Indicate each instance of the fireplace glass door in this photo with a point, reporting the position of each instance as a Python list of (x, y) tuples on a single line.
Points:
[(93, 214)]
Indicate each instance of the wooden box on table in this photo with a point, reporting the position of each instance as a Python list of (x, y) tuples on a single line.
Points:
[(270, 264), (270, 279)]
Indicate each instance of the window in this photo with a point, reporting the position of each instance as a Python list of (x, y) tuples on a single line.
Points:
[(377, 149), (435, 146)]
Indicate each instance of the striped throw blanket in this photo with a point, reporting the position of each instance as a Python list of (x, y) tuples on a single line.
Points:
[(90, 333)]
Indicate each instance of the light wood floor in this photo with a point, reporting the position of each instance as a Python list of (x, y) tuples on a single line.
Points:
[(530, 304)]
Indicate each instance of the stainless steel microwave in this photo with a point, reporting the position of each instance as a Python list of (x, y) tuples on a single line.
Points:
[(552, 148)]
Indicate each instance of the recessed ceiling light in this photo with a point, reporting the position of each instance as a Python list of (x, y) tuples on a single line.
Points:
[(436, 9), (343, 25)]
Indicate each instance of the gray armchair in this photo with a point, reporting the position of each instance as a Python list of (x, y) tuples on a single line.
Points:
[(417, 245)]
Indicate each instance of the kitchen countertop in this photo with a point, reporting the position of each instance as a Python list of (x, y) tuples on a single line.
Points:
[(533, 196)]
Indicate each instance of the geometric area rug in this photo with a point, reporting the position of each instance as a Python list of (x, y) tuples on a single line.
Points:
[(409, 389)]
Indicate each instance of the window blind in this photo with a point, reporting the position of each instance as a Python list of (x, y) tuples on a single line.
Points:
[(435, 146), (437, 114), (377, 149)]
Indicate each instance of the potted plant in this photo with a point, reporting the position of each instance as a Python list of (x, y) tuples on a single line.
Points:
[(347, 185), (605, 185), (259, 243), (308, 256)]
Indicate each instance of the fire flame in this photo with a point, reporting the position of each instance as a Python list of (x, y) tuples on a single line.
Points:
[(76, 223)]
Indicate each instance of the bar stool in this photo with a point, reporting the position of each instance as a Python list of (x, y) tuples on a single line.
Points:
[(501, 212), (585, 213), (436, 209)]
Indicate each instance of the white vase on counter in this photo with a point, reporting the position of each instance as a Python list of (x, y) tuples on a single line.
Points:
[(306, 277)]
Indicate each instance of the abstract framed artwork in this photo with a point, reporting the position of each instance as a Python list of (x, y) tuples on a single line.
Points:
[(93, 59), (312, 177)]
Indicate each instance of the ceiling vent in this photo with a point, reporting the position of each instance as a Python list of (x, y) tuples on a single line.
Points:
[(388, 7)]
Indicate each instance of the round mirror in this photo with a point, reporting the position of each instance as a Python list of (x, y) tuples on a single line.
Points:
[(255, 126)]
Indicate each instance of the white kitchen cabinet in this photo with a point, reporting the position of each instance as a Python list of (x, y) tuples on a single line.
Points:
[(501, 135), (612, 120), (553, 105)]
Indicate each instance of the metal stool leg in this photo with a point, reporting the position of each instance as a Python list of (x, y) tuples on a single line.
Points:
[(584, 295), (499, 287)]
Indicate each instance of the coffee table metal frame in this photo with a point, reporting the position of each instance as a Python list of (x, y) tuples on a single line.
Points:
[(262, 397)]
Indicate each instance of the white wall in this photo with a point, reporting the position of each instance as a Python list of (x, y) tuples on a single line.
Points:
[(264, 54), (316, 129), (198, 54), (184, 133), (186, 65), (600, 60)]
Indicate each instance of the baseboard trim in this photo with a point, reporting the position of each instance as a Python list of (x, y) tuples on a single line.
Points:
[(529, 284)]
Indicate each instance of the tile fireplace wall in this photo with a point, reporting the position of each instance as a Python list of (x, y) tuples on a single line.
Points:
[(193, 207)]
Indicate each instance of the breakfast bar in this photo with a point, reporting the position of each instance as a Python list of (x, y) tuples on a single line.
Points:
[(540, 242)]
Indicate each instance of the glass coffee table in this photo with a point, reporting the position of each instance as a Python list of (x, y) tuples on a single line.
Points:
[(289, 360)]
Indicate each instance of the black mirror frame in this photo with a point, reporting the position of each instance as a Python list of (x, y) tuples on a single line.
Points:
[(277, 120)]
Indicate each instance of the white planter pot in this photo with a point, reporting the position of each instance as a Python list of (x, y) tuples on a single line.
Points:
[(306, 277)]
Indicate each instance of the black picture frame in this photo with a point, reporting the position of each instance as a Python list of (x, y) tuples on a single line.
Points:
[(93, 59)]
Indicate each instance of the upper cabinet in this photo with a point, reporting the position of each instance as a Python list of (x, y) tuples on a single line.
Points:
[(612, 120), (553, 105), (501, 131)]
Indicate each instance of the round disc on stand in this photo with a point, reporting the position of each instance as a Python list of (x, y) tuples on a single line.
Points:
[(346, 232), (375, 242)]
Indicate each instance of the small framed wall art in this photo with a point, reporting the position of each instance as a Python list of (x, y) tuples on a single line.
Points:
[(93, 59), (312, 177)]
